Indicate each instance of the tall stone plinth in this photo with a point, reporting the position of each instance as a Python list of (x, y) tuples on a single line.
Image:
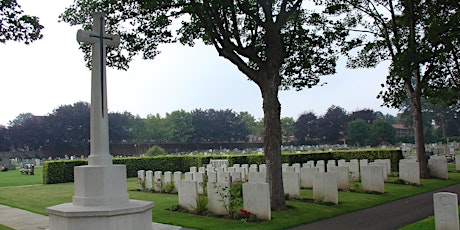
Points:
[(101, 202)]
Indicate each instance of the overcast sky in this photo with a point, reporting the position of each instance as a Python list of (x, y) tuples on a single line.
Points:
[(48, 73)]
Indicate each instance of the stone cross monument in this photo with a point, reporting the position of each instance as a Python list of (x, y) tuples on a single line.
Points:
[(99, 154), (100, 200)]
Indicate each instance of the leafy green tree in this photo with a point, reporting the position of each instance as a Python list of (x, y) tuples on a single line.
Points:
[(218, 126), (387, 117), (157, 129), (28, 134), (421, 40), (276, 44), (287, 127), (332, 125), (446, 118), (69, 125), (382, 133), (138, 129), (17, 26), (367, 115), (119, 127), (430, 135), (202, 125), (306, 127), (252, 125), (180, 124), (435, 116), (4, 142), (358, 131)]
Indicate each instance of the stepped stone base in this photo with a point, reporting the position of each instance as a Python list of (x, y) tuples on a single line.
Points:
[(101, 202), (133, 215)]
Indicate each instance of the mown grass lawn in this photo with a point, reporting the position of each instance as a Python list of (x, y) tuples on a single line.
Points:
[(15, 178), (37, 198), (3, 227)]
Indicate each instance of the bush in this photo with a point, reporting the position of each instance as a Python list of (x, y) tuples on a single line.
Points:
[(155, 151)]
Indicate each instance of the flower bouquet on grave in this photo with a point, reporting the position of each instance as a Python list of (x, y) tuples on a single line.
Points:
[(248, 216)]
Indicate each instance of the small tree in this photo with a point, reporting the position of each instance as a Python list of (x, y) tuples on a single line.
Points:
[(332, 126), (358, 131), (382, 133), (306, 127), (287, 128)]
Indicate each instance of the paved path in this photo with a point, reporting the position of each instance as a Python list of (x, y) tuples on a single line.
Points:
[(387, 216), (23, 220)]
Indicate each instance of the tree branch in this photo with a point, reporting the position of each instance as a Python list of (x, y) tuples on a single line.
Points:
[(284, 14), (267, 9)]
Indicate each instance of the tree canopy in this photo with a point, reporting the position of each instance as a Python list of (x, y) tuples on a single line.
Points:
[(420, 38), (17, 26), (358, 131)]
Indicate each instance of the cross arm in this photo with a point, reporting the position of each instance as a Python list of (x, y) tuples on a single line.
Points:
[(91, 37)]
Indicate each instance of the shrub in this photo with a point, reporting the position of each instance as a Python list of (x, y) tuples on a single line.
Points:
[(155, 151), (201, 205)]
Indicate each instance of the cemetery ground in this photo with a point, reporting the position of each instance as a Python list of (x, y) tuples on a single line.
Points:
[(27, 193)]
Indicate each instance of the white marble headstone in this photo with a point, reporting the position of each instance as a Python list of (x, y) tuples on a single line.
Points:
[(325, 187), (372, 179), (187, 194), (256, 199), (446, 211), (219, 197)]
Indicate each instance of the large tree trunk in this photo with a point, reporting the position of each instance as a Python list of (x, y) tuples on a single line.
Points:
[(272, 143), (419, 138), (416, 92)]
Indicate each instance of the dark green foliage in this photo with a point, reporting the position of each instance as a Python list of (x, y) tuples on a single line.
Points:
[(306, 127), (62, 171), (382, 132), (217, 126), (17, 26), (358, 131), (332, 125), (155, 151)]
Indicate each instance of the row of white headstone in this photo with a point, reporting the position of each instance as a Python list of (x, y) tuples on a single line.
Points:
[(256, 196), (325, 179), (325, 184)]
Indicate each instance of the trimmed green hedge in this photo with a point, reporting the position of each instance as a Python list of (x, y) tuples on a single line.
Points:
[(61, 171)]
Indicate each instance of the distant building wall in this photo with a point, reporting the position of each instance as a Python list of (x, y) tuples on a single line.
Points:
[(402, 130)]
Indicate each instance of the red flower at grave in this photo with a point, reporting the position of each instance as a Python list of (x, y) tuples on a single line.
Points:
[(245, 212)]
